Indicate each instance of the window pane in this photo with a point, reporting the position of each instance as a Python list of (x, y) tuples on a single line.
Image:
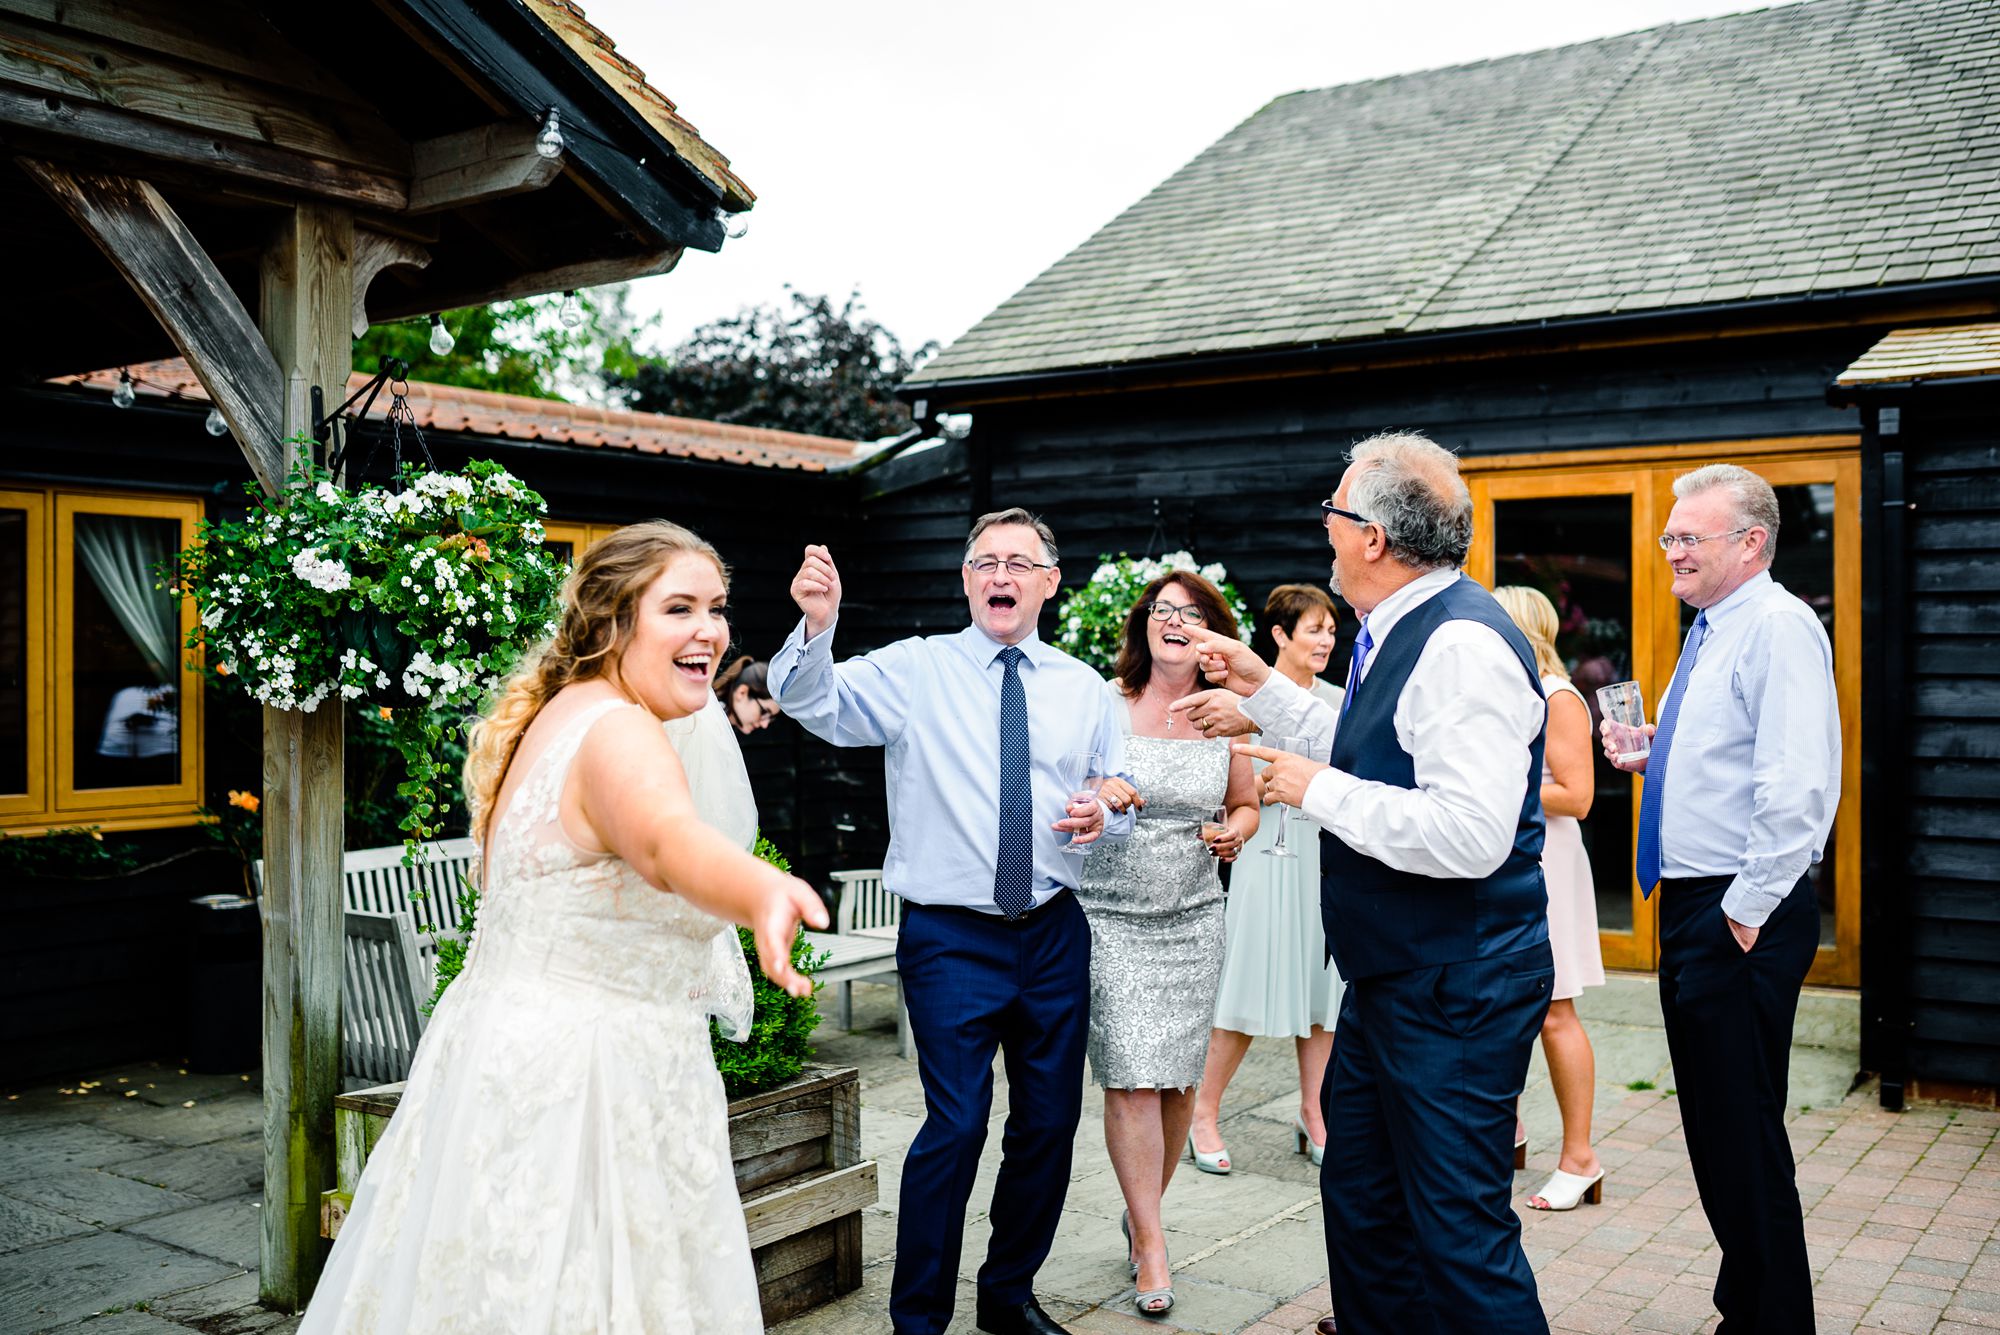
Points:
[(561, 550), (125, 654), (14, 650), (1578, 551)]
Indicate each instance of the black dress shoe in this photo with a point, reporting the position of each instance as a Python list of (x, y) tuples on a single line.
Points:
[(1026, 1318), (1325, 1326)]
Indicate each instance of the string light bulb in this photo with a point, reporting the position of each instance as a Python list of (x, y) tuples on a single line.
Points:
[(735, 226), (122, 394), (549, 143), (441, 340), (217, 424), (571, 313)]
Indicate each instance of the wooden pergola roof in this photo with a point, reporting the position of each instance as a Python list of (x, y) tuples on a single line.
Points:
[(418, 115)]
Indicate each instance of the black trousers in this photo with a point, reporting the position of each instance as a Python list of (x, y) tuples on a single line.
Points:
[(1729, 1016)]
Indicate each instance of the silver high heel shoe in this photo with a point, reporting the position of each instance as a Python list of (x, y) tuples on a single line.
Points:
[(1217, 1162), (1300, 1141)]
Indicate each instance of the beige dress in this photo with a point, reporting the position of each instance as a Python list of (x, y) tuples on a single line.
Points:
[(1572, 896)]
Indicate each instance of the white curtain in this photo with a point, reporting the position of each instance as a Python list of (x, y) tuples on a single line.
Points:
[(121, 552)]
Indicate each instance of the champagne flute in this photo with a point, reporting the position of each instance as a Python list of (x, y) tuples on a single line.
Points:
[(1297, 746), (1213, 826), (1082, 774)]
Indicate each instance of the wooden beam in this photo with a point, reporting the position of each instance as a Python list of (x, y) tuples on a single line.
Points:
[(374, 252), (147, 242), (128, 137), (477, 165), (56, 61), (590, 273), (307, 302)]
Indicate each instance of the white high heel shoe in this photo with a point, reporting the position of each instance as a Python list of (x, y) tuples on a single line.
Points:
[(1217, 1162), (1300, 1141), (1564, 1191)]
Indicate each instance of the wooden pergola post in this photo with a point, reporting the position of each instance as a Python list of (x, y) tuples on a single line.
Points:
[(306, 293)]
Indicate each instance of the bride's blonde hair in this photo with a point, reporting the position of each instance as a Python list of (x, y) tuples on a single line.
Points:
[(600, 603)]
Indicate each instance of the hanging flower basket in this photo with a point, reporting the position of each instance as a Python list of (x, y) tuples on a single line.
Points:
[(1091, 621), (419, 601)]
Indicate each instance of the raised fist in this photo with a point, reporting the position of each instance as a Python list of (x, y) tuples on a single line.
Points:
[(816, 589)]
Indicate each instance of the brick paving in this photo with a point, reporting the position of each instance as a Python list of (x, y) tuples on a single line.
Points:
[(137, 1215)]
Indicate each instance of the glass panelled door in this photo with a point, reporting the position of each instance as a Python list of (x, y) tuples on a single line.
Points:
[(1818, 559), (1583, 532), (1574, 538)]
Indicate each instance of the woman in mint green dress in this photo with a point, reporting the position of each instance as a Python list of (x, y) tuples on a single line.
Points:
[(1276, 980)]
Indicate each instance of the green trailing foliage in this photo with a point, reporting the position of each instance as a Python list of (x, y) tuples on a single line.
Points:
[(79, 852), (781, 1025)]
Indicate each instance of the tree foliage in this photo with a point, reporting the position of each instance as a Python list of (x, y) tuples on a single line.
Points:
[(516, 347), (806, 365)]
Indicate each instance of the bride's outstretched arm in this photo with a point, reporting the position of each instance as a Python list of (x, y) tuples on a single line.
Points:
[(634, 795)]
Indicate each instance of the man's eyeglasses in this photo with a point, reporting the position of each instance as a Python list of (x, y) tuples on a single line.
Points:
[(1690, 541), (1164, 611), (1016, 565), (1328, 510)]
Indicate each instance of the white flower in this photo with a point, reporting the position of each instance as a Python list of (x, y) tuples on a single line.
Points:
[(328, 493), (1214, 573), (327, 576)]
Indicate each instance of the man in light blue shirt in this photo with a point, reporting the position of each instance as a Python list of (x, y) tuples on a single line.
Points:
[(1740, 792), (994, 952)]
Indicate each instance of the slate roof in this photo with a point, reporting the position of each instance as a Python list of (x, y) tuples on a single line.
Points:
[(1938, 353), (1804, 149), (482, 412)]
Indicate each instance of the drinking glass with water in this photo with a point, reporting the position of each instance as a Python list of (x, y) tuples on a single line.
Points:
[(1624, 708)]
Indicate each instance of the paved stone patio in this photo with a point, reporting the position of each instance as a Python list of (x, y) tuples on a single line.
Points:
[(128, 1201)]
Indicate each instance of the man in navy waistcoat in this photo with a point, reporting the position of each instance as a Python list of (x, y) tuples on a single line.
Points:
[(1431, 891)]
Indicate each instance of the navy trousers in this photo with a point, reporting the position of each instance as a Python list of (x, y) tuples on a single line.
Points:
[(1729, 1030), (974, 984), (1418, 1180)]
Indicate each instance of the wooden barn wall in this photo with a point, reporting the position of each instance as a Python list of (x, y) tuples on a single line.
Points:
[(1235, 473), (1952, 820)]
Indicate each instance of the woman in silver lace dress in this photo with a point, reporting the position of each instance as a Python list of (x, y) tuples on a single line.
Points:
[(1155, 908)]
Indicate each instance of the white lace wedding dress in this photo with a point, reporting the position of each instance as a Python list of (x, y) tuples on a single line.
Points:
[(560, 1158)]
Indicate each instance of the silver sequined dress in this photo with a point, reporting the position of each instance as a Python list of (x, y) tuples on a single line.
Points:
[(1154, 902)]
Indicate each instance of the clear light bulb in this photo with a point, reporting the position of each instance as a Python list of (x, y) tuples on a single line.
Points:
[(441, 340), (217, 424), (571, 313), (735, 226), (122, 394), (549, 143)]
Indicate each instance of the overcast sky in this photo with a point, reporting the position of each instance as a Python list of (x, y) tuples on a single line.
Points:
[(939, 155)]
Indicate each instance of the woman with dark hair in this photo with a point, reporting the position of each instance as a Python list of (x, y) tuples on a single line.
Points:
[(1277, 981), (1155, 908), (744, 693)]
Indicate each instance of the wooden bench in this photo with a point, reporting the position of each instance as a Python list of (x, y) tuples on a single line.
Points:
[(383, 989), (862, 946), (374, 880)]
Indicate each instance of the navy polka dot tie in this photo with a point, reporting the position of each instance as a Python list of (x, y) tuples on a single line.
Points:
[(1014, 872)]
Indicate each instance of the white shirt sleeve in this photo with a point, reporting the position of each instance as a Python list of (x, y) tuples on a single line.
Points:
[(1786, 686), (1282, 708), (1468, 717)]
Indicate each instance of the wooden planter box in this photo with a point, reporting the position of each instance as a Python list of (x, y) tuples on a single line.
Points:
[(799, 1170)]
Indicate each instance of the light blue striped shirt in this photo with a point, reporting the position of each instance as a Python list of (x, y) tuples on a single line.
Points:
[(934, 703), (1753, 776)]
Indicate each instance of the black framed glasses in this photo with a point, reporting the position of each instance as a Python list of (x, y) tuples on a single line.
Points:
[(1190, 615), (1669, 541), (1328, 510), (1016, 565)]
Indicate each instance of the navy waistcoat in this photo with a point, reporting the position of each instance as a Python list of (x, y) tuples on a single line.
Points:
[(1382, 921)]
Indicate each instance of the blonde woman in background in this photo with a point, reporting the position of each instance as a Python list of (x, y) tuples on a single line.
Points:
[(560, 1158), (1568, 783)]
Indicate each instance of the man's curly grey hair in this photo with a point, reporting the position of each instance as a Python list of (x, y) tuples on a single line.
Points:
[(1409, 484)]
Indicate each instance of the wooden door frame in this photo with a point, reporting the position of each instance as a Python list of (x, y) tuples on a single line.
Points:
[(1647, 472), (1638, 948)]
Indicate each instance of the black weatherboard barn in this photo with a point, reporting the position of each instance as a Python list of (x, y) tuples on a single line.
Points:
[(1587, 270)]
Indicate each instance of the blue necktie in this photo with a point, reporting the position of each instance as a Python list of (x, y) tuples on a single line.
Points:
[(1656, 763), (1014, 871), (1362, 644)]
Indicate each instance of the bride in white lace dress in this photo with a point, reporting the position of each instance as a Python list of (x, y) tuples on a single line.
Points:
[(560, 1157)]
